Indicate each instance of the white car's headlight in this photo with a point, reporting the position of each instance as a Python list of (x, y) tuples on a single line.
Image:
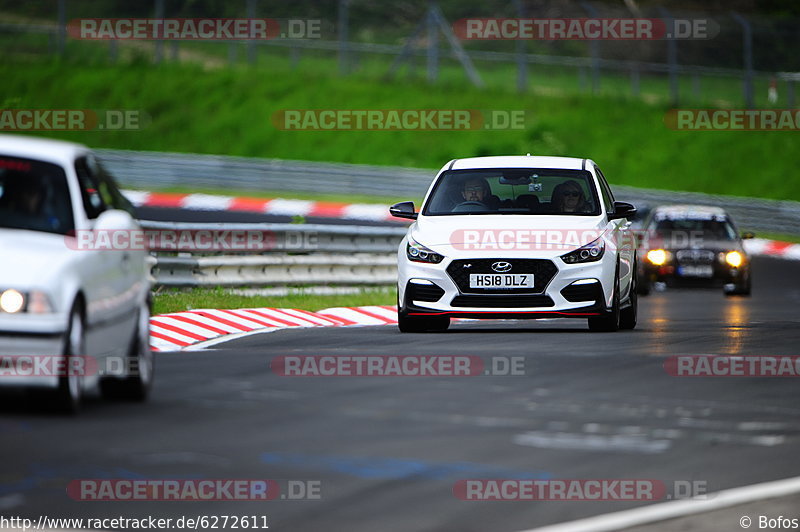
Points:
[(416, 252), (33, 302), (591, 252)]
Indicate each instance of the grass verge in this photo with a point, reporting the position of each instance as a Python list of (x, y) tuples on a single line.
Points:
[(231, 111), (179, 300)]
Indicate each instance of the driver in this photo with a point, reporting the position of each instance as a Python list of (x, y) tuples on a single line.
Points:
[(475, 189)]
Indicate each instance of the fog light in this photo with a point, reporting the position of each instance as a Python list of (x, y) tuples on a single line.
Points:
[(734, 258), (11, 301)]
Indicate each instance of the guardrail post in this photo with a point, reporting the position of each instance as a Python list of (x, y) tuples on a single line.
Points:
[(594, 50), (344, 35), (251, 43), (62, 26), (522, 63), (159, 42), (113, 51), (747, 44), (635, 80), (433, 46), (672, 58), (232, 53)]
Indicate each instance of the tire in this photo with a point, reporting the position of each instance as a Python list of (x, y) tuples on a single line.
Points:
[(69, 394), (643, 285), (140, 365), (628, 315), (744, 289), (609, 321)]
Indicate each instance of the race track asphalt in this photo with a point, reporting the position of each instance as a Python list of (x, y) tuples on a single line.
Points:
[(387, 451)]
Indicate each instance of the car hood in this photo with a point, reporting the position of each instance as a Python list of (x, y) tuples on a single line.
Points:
[(492, 233), (31, 257)]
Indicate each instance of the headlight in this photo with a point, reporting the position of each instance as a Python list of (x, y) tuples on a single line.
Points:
[(11, 301), (33, 302), (589, 253), (657, 257), (734, 258), (416, 252)]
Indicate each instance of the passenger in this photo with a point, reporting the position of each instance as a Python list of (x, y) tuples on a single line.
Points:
[(568, 197)]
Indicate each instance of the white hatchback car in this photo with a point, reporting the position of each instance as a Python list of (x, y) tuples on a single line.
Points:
[(517, 237), (59, 302)]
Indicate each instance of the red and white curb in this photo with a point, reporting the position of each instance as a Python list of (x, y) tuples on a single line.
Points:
[(277, 206), (181, 330), (772, 248)]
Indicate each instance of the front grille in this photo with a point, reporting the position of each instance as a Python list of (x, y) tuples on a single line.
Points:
[(424, 292), (582, 292), (521, 301), (695, 256), (543, 271)]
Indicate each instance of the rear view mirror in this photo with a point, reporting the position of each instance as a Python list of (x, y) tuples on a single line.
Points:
[(747, 235), (515, 178), (403, 209), (622, 210)]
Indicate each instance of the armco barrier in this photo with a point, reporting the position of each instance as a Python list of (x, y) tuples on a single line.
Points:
[(278, 269)]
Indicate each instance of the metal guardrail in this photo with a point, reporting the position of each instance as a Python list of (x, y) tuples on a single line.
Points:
[(314, 269), (290, 238), (285, 254), (155, 170)]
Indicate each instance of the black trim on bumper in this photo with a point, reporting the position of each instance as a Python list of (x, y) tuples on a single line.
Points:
[(582, 312)]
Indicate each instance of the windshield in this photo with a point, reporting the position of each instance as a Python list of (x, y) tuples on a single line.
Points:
[(713, 228), (34, 196), (513, 191)]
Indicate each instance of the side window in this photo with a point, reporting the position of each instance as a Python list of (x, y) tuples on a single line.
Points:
[(93, 202), (605, 191), (108, 189)]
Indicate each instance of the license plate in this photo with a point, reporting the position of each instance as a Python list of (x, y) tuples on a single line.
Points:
[(501, 280), (696, 271)]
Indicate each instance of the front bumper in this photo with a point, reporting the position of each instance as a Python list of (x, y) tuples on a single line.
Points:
[(31, 335), (546, 302)]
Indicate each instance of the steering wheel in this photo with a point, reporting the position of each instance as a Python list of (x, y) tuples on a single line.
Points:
[(470, 204)]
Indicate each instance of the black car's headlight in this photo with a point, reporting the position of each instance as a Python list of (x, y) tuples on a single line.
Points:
[(416, 252), (589, 253)]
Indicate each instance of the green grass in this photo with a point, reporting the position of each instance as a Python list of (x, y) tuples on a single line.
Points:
[(178, 300), (229, 111)]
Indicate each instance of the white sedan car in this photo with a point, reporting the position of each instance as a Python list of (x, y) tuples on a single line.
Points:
[(517, 237), (72, 318)]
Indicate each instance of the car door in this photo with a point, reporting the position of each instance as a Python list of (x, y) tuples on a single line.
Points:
[(104, 275)]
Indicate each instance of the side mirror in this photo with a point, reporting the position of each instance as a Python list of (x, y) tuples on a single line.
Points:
[(747, 235), (622, 210), (403, 209), (113, 219)]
